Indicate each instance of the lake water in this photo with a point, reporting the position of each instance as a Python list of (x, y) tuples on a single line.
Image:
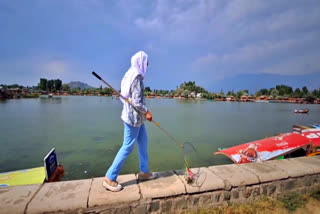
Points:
[(87, 131)]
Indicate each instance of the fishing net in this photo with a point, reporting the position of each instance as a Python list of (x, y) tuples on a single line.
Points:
[(195, 176)]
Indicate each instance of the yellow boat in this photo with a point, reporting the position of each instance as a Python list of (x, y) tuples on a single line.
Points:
[(23, 177)]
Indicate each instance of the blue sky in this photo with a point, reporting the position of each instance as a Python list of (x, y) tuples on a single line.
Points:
[(226, 45)]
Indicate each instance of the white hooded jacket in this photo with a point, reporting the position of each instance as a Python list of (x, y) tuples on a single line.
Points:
[(132, 87)]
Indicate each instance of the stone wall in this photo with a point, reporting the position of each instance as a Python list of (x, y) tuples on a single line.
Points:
[(169, 193)]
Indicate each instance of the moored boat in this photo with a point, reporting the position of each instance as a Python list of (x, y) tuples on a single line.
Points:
[(303, 111), (50, 172), (299, 142)]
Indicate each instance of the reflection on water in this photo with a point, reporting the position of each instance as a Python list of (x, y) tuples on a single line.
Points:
[(87, 132), (52, 100)]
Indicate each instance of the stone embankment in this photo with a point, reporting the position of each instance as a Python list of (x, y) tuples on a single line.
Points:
[(169, 193)]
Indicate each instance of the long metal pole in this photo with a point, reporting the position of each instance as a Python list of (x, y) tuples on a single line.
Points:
[(128, 101)]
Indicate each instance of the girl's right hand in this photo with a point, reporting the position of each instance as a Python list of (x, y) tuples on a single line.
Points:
[(149, 116)]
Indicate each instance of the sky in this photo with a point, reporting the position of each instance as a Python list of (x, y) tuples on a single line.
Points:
[(221, 45)]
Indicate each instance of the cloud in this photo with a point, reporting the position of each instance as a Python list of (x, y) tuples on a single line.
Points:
[(57, 68), (286, 57), (28, 69), (217, 38)]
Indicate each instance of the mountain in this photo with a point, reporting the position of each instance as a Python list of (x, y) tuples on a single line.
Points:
[(78, 84)]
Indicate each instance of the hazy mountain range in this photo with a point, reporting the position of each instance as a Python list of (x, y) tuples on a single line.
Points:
[(78, 84)]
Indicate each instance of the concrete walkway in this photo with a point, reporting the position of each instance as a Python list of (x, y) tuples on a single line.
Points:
[(168, 192)]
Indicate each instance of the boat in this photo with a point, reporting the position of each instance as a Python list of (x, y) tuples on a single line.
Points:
[(305, 111), (300, 142), (50, 95), (51, 171), (315, 126)]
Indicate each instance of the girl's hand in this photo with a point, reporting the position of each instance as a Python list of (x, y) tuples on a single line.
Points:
[(149, 116)]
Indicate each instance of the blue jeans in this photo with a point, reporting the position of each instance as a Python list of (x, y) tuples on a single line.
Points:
[(131, 134)]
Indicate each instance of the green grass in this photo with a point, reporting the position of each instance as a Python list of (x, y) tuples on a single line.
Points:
[(316, 195), (294, 201), (30, 96), (288, 204)]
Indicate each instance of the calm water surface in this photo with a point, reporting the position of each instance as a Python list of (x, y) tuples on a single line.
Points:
[(87, 131)]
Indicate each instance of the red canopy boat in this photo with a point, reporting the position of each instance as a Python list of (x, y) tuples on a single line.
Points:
[(273, 147)]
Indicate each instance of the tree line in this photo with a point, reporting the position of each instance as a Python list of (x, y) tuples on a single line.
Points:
[(185, 89), (278, 92), (50, 85)]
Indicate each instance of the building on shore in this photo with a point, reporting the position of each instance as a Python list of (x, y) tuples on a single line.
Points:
[(3, 93), (247, 98), (231, 99)]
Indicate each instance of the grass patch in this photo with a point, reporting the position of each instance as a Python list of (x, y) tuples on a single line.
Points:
[(316, 195), (30, 96), (288, 204), (265, 205), (294, 201)]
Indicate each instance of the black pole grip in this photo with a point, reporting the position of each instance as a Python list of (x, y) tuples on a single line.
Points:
[(96, 75)]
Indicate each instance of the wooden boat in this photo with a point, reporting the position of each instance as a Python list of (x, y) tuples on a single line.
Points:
[(303, 111), (300, 142), (50, 172)]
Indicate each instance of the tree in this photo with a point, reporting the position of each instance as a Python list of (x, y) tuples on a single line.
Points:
[(284, 90), (240, 94), (50, 85), (65, 87), (186, 93), (297, 93), (264, 91), (147, 89), (305, 90), (57, 84), (274, 92), (43, 84), (316, 93)]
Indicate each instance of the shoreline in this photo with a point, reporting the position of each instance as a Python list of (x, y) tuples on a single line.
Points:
[(34, 96)]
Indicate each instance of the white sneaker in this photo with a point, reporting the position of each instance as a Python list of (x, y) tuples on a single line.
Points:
[(113, 186), (146, 176)]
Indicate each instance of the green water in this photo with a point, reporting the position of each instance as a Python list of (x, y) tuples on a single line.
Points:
[(87, 131)]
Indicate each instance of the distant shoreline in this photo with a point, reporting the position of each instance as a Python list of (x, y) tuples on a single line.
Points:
[(252, 100)]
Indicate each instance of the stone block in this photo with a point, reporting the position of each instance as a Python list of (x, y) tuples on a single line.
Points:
[(217, 196), (234, 194), (15, 199), (226, 195), (155, 206), (166, 206), (265, 172), (194, 200), (235, 175), (123, 210), (180, 203), (206, 199), (142, 209), (293, 169), (166, 184), (311, 162), (100, 196), (61, 197), (204, 180)]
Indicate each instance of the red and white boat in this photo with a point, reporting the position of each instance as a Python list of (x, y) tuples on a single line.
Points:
[(300, 142)]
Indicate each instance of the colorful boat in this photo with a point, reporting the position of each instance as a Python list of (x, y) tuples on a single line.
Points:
[(23, 177), (300, 142), (50, 172), (301, 111)]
